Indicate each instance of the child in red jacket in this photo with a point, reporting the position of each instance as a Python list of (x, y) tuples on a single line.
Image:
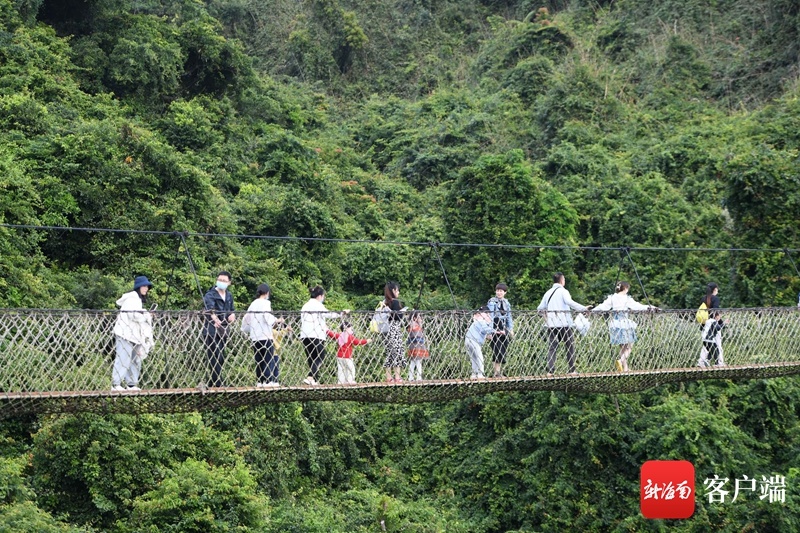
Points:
[(345, 368)]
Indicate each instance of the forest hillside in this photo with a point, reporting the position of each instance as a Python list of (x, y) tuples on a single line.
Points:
[(584, 127)]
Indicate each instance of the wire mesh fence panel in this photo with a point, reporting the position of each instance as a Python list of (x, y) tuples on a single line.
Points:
[(56, 361)]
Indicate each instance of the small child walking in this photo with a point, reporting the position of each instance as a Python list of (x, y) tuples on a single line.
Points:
[(345, 368), (417, 350), (478, 331), (712, 338)]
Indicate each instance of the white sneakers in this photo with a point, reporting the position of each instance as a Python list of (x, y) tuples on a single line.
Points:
[(310, 381), (120, 388)]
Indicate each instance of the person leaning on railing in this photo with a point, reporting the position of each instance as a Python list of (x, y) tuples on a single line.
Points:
[(133, 331)]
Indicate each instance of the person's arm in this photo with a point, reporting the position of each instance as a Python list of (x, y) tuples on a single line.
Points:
[(331, 334), (360, 342), (572, 303), (605, 306), (509, 320), (229, 304), (633, 305), (543, 305)]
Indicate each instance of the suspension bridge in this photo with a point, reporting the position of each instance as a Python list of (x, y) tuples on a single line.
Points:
[(56, 361)]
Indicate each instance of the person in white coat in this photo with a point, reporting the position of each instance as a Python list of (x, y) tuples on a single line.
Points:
[(314, 332), (556, 304), (133, 331), (621, 328), (258, 324)]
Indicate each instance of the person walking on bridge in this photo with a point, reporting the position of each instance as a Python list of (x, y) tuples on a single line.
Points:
[(556, 303), (218, 303), (133, 331), (620, 327)]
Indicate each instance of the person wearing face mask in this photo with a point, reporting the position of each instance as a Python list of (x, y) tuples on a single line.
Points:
[(133, 332), (218, 304)]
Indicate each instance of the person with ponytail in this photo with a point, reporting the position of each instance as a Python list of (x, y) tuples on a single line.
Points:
[(133, 332), (393, 340), (621, 328), (711, 301)]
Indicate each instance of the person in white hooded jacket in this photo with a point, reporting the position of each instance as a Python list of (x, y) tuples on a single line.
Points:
[(133, 331)]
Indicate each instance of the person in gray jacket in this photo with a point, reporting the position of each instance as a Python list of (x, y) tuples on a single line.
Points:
[(557, 303)]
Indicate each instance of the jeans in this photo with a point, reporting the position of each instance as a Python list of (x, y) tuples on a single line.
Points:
[(475, 356), (267, 365)]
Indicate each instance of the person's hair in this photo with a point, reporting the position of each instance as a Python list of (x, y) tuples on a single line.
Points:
[(316, 291), (557, 277), (501, 287), (622, 285), (346, 325), (709, 293), (262, 290), (414, 315), (715, 315), (388, 292), (225, 273), (142, 297)]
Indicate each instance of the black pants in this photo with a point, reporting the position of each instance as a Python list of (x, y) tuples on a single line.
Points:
[(713, 351), (215, 349), (555, 336), (315, 355), (267, 368)]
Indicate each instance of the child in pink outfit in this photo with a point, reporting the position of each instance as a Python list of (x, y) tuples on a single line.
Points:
[(345, 368)]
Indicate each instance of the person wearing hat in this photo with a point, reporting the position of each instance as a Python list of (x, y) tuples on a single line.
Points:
[(258, 324), (133, 332), (478, 331)]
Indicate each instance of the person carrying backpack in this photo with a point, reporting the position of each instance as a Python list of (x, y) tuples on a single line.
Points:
[(710, 301)]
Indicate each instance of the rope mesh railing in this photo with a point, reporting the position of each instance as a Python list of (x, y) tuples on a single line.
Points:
[(61, 361)]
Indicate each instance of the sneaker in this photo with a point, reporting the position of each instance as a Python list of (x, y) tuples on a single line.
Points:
[(259, 384), (473, 376), (309, 381), (481, 376), (703, 363), (118, 388), (573, 373), (271, 384), (134, 388), (619, 365), (720, 365)]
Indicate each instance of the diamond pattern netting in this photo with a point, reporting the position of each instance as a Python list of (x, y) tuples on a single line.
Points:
[(60, 361)]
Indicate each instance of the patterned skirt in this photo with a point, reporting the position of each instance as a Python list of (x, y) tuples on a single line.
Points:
[(622, 335), (393, 341)]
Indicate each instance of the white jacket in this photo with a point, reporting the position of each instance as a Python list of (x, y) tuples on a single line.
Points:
[(135, 327), (312, 320), (558, 299), (621, 303), (258, 321)]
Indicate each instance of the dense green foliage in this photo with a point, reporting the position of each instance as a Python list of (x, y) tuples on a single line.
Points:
[(623, 124)]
